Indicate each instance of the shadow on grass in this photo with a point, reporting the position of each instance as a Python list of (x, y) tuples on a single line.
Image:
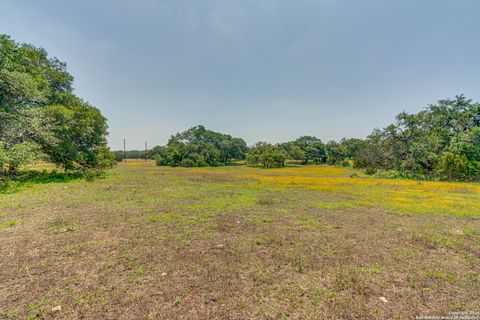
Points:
[(29, 177)]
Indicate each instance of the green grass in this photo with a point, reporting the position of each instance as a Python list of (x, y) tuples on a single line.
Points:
[(338, 205), (309, 242), (27, 178)]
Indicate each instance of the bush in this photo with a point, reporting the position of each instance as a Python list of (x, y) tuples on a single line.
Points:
[(345, 163), (160, 160), (188, 163), (400, 174), (370, 171), (453, 167), (90, 176)]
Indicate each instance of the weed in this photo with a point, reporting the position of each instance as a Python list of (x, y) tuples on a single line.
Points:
[(438, 274), (177, 301), (9, 223), (302, 242), (11, 315), (371, 270)]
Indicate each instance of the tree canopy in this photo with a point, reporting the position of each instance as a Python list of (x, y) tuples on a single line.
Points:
[(40, 117), (306, 148), (199, 147), (344, 151), (443, 141), (266, 155)]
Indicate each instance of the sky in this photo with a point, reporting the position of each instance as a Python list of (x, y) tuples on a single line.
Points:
[(263, 70)]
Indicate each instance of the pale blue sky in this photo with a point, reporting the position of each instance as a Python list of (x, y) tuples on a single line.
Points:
[(258, 69)]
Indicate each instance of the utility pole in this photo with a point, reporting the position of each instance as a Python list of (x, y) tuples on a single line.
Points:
[(146, 154), (124, 152)]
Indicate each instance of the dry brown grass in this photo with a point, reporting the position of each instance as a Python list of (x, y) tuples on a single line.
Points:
[(164, 243)]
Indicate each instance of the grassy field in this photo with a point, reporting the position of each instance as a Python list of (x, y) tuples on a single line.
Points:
[(309, 242)]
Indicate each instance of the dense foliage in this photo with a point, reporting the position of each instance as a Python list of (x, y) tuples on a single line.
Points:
[(41, 118), (344, 152), (442, 141), (306, 148), (266, 155), (199, 147)]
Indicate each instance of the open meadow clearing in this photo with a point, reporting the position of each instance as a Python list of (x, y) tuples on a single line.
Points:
[(307, 242), (164, 160)]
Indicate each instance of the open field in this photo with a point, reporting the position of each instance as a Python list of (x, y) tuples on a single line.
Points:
[(309, 242)]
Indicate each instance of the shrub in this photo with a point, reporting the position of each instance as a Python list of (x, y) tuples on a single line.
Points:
[(453, 167), (188, 163), (160, 160), (345, 163)]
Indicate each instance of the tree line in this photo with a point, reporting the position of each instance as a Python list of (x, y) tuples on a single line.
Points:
[(440, 142), (200, 147), (42, 119), (120, 155), (40, 116)]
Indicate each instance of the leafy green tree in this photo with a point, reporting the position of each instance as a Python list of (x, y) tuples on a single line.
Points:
[(336, 152), (80, 130), (313, 149), (39, 114), (468, 144), (28, 77), (266, 155), (352, 147), (453, 167), (293, 151), (443, 139), (199, 147), (17, 155)]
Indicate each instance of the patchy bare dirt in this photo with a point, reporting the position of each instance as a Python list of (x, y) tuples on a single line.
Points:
[(157, 243)]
